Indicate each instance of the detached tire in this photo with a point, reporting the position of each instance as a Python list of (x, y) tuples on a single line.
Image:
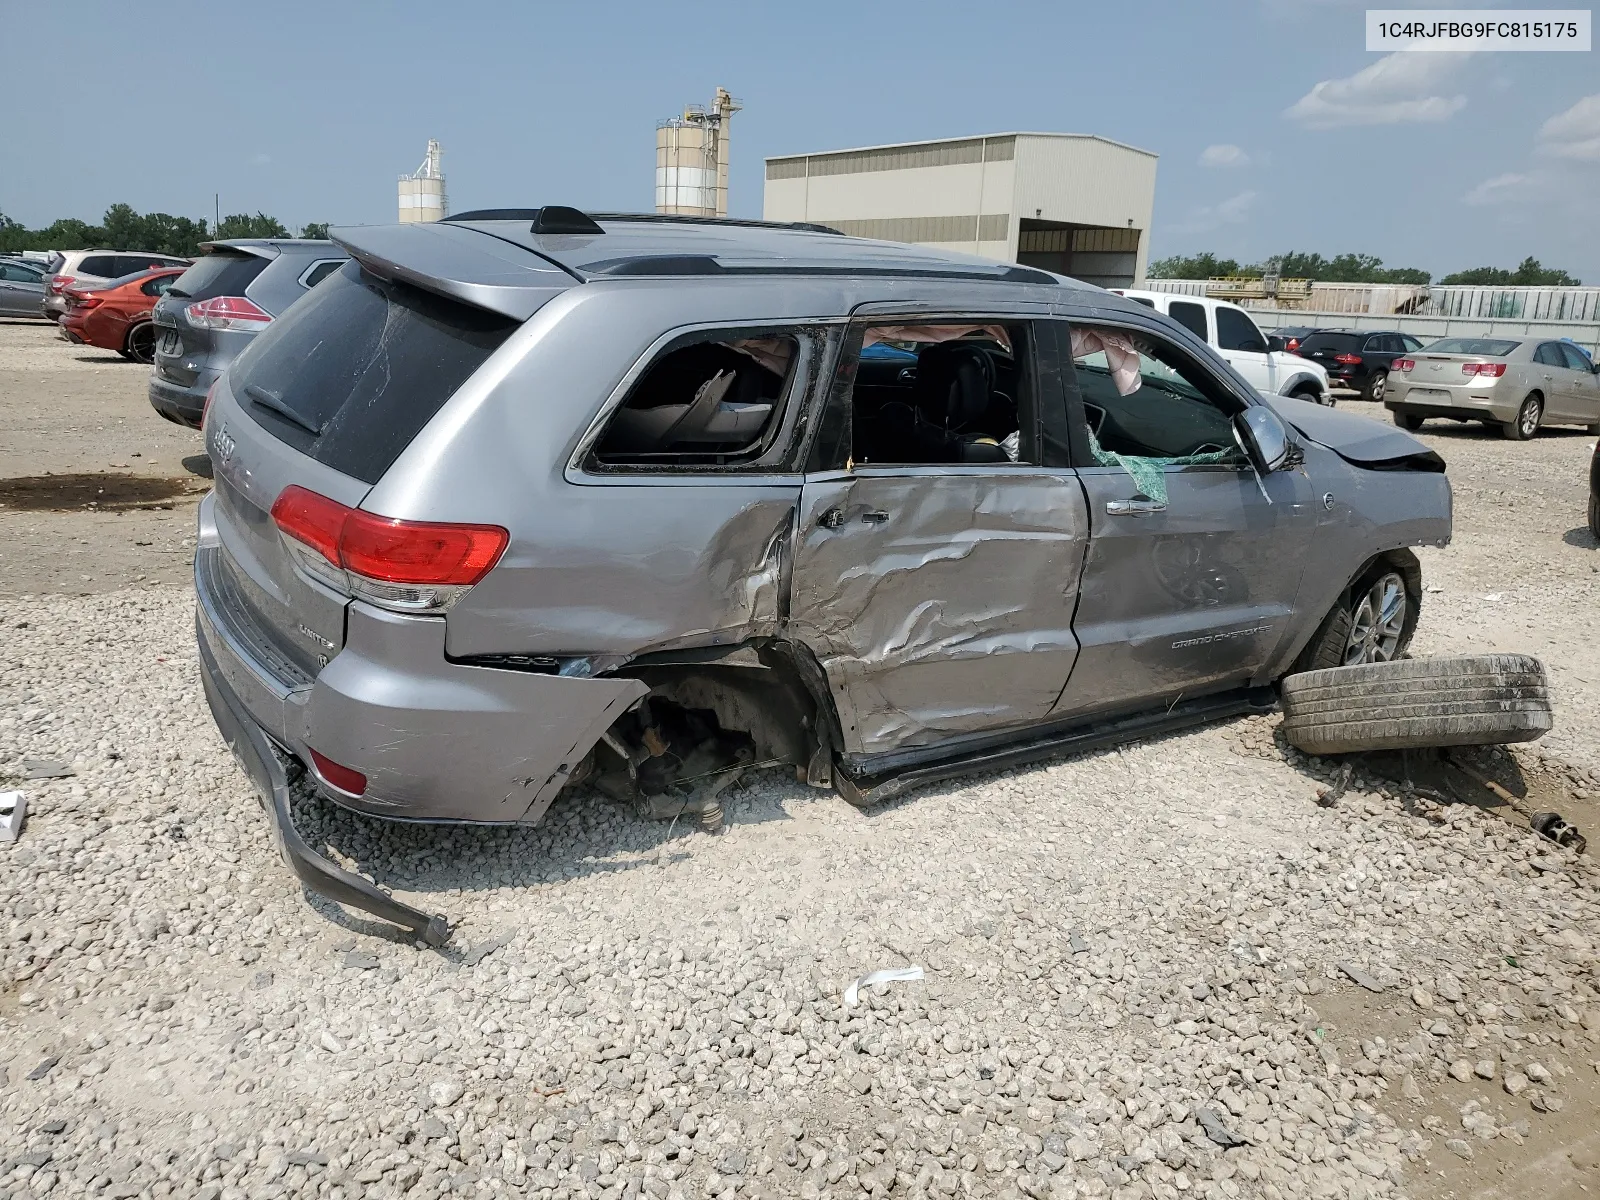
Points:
[(1473, 700)]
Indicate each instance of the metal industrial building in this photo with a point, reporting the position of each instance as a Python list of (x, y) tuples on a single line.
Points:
[(1072, 203)]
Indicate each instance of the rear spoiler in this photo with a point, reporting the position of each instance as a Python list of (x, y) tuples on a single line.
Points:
[(463, 264)]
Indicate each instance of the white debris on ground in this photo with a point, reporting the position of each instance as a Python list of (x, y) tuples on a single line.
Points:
[(1136, 975)]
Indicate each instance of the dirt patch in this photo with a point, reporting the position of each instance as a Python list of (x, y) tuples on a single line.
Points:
[(101, 491)]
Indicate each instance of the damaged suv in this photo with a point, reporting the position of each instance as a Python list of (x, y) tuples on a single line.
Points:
[(527, 498)]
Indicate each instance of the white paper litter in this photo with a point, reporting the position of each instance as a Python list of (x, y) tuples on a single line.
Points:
[(13, 808), (892, 975)]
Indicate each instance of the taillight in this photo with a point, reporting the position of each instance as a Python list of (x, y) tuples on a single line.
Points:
[(1347, 359), (346, 779), (228, 312), (1291, 345), (58, 282), (1403, 365), (1492, 370), (406, 566), (81, 301)]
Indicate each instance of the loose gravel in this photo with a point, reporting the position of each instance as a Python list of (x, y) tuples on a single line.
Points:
[(1154, 971)]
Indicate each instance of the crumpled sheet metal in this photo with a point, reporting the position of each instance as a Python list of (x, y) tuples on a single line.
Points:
[(605, 583), (952, 616)]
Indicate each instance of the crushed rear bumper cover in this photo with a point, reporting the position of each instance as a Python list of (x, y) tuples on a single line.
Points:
[(254, 750)]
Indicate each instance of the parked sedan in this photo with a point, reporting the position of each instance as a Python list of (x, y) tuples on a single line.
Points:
[(1288, 338), (21, 288), (1518, 385), (219, 305), (117, 315), (1358, 358), (89, 268), (499, 508)]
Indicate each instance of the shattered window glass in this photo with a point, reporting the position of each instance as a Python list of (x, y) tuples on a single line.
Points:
[(714, 402), (1166, 413)]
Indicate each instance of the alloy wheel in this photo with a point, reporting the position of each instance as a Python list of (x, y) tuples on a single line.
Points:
[(1528, 417), (1378, 622), (142, 343), (1380, 384)]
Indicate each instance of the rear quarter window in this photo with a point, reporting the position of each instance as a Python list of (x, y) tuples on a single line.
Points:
[(221, 274), (103, 265), (355, 369)]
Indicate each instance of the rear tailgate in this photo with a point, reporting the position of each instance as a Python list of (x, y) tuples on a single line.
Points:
[(179, 343), (327, 397)]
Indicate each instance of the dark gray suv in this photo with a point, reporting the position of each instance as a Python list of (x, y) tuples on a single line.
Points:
[(523, 499), (218, 305)]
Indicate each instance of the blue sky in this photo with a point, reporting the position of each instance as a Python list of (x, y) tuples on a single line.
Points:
[(310, 111)]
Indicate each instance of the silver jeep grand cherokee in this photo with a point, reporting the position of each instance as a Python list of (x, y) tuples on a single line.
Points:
[(530, 497)]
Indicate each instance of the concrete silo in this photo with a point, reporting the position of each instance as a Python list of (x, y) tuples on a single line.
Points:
[(422, 194), (692, 159)]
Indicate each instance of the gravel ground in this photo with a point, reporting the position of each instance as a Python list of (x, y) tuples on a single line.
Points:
[(1131, 957)]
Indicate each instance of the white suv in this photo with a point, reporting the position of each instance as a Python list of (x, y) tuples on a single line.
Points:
[(1231, 332), (69, 267)]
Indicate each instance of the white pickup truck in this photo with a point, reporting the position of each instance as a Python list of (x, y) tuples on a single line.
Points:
[(1232, 334)]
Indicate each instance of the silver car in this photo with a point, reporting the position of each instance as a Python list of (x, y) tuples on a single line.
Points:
[(1517, 384), (21, 288), (529, 498)]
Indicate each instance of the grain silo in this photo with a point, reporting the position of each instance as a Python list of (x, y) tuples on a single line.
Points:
[(692, 159), (422, 194)]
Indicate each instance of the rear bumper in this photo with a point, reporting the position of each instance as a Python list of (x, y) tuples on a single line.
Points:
[(1432, 401), (185, 405), (437, 741), (261, 763)]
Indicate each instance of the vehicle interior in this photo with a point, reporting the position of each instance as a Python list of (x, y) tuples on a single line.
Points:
[(1170, 412), (938, 394), (707, 403)]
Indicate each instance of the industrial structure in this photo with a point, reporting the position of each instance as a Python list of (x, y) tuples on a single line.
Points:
[(422, 194), (1076, 204), (692, 158)]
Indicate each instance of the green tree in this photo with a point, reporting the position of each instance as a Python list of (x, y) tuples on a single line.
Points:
[(1529, 273), (242, 225), (316, 229), (1198, 266)]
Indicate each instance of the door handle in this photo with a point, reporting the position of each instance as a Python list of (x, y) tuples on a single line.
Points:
[(1134, 508), (877, 517)]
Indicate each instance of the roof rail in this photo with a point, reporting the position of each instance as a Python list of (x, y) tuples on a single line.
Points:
[(690, 219), (552, 218), (533, 216)]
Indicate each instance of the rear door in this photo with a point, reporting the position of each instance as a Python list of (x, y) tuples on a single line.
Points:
[(937, 591), (1555, 380), (1585, 385), (21, 290), (326, 399), (1242, 344), (1193, 563)]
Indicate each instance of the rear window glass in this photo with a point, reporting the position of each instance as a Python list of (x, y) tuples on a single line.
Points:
[(1330, 341), (1488, 347), (104, 265), (219, 275), (356, 368)]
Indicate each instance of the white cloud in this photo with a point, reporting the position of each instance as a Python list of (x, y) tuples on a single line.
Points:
[(1399, 88), (1574, 133), (1224, 155), (1497, 190), (260, 159), (1231, 211)]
